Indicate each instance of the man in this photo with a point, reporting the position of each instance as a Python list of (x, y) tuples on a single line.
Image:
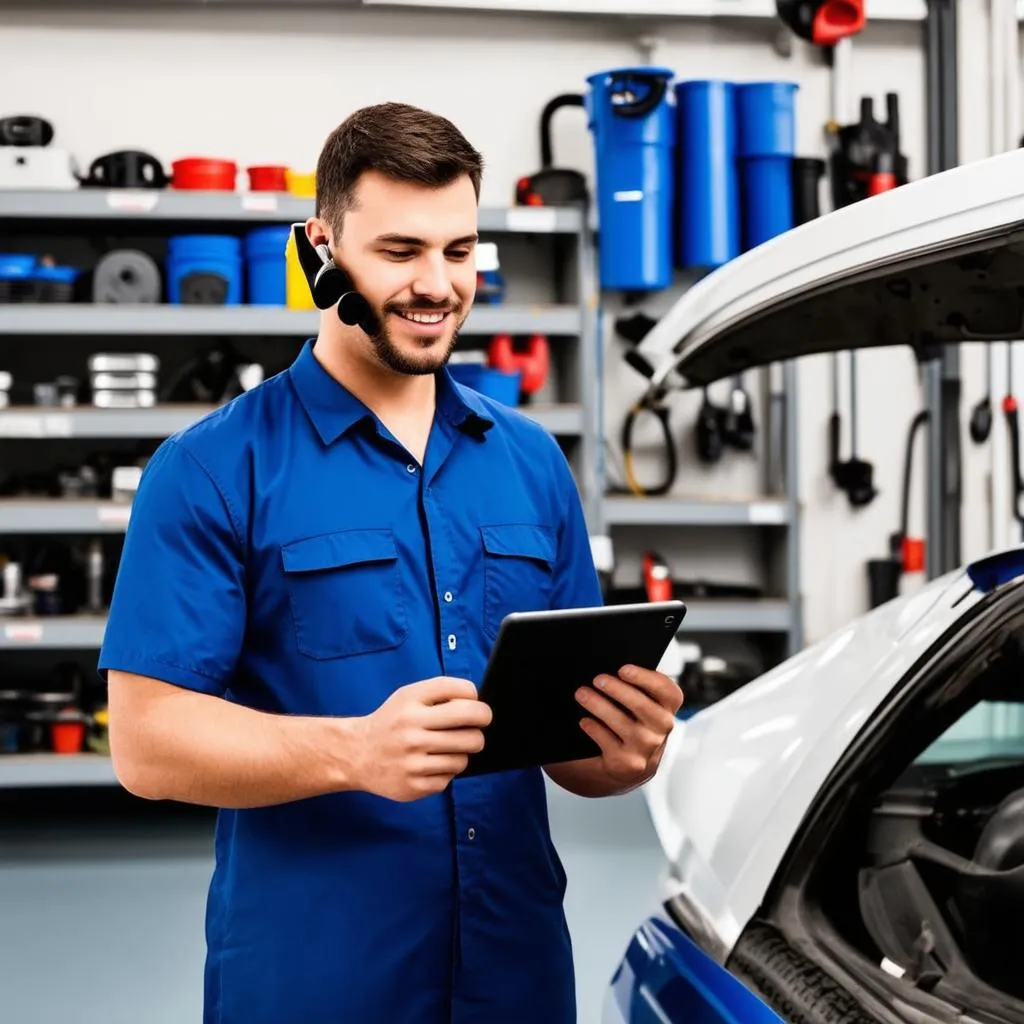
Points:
[(310, 584)]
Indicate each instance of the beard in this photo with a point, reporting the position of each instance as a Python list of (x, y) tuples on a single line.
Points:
[(434, 352)]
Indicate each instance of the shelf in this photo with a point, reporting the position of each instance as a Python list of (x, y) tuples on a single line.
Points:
[(88, 422), (726, 616), (162, 421), (62, 515), (680, 511), (56, 770), (261, 321), (85, 632), (876, 10), (52, 633), (262, 207)]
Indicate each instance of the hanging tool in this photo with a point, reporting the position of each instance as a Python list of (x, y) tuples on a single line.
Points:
[(854, 476), (822, 22), (721, 426), (1010, 412), (981, 414), (660, 411)]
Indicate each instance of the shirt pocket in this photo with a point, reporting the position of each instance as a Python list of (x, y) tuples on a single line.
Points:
[(345, 591), (519, 567)]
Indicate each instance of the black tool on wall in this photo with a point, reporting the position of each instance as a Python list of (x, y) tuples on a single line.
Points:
[(552, 186), (724, 426), (981, 415), (1012, 417), (862, 148), (852, 475), (821, 22)]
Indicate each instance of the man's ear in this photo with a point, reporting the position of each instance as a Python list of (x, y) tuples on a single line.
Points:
[(318, 231)]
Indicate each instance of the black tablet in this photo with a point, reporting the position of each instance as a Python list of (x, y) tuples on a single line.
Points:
[(541, 659)]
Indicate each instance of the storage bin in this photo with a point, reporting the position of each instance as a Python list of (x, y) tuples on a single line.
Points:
[(297, 293), (215, 260), (266, 266), (500, 385)]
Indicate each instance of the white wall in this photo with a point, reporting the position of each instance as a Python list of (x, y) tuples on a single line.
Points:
[(267, 86)]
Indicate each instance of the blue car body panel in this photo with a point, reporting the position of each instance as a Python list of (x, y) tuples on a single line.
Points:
[(666, 978)]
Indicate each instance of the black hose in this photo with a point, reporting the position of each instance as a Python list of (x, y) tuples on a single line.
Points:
[(908, 466)]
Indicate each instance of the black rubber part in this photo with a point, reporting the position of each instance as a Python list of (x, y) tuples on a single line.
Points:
[(796, 989)]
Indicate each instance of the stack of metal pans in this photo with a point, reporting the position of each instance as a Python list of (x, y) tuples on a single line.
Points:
[(124, 380)]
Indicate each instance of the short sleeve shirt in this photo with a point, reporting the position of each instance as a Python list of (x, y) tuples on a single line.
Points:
[(287, 554)]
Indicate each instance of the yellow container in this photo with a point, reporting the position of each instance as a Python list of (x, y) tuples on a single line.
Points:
[(297, 293), (303, 185)]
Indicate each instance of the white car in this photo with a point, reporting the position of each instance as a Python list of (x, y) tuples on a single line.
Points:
[(844, 836)]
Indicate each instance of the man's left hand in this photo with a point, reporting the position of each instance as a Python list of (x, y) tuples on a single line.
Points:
[(633, 715)]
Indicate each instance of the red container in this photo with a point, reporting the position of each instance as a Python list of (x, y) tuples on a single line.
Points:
[(267, 179), (68, 737), (204, 173)]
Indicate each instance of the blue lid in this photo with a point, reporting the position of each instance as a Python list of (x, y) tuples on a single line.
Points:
[(16, 264), (205, 243), (640, 69), (67, 274)]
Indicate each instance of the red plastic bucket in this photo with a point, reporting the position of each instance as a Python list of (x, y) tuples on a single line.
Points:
[(268, 179), (204, 173)]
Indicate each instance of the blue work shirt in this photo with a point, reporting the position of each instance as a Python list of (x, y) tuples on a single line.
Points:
[(286, 553)]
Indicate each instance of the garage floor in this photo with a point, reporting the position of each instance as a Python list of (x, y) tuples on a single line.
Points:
[(101, 916)]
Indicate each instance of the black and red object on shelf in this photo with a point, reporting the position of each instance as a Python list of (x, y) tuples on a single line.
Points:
[(552, 186), (657, 577), (530, 356), (866, 158), (822, 22)]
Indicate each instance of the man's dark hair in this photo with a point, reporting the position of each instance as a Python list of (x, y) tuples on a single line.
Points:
[(397, 140)]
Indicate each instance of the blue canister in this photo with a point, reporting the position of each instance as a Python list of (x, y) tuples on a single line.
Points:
[(631, 115), (214, 256), (765, 145), (707, 209), (501, 385), (265, 264)]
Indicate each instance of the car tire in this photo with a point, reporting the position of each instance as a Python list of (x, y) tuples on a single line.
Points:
[(796, 989)]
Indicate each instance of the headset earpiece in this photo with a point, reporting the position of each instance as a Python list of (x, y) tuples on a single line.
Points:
[(329, 285)]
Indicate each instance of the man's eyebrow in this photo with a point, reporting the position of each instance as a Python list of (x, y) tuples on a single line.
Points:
[(411, 240)]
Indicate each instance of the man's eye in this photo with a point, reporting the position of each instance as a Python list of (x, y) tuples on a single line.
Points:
[(458, 254), (399, 254)]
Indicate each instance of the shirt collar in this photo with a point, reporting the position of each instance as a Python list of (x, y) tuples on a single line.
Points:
[(334, 410)]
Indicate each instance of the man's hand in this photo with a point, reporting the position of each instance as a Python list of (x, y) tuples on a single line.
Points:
[(419, 739), (633, 715)]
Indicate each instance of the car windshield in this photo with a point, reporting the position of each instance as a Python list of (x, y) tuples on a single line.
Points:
[(991, 730)]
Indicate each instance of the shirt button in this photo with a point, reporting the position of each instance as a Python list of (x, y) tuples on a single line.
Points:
[(411, 468), (448, 597), (451, 641), (471, 834)]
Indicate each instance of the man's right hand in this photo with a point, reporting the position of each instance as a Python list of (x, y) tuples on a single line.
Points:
[(419, 739)]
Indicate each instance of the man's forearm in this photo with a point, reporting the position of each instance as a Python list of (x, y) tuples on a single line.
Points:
[(589, 778), (195, 748)]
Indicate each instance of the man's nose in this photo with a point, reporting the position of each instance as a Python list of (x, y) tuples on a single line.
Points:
[(432, 280)]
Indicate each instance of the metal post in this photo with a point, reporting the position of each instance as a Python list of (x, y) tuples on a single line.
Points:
[(942, 376)]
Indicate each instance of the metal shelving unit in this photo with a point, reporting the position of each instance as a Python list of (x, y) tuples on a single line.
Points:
[(776, 515), (243, 321), (567, 321)]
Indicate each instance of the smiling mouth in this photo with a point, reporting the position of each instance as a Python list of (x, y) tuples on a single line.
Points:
[(422, 318)]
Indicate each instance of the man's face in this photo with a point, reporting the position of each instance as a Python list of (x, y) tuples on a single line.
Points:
[(411, 252)]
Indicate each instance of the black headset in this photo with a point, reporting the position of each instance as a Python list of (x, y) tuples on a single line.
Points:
[(330, 285)]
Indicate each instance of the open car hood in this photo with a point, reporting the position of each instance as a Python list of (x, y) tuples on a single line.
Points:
[(936, 261), (736, 780)]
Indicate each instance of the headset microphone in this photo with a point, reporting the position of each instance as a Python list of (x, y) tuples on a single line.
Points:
[(330, 285)]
